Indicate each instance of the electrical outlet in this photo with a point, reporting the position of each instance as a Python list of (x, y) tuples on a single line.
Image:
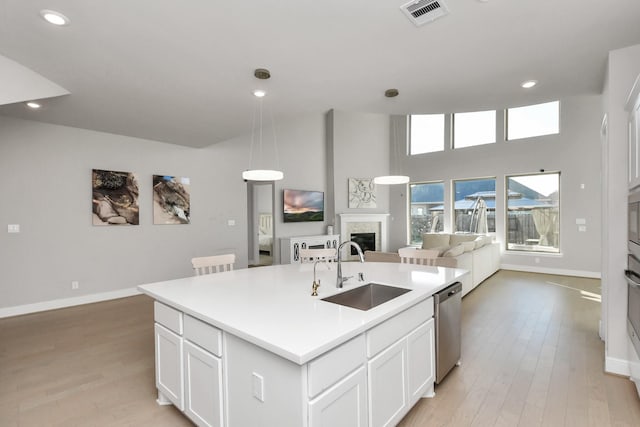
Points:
[(75, 285)]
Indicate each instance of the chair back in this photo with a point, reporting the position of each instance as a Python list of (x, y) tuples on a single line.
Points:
[(418, 256), (313, 255), (213, 264)]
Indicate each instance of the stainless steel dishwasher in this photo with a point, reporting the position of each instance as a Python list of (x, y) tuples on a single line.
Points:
[(447, 304)]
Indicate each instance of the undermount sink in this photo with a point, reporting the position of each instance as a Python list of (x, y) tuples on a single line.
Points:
[(366, 297)]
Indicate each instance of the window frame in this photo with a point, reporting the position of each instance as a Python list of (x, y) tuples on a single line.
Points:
[(453, 129), (409, 199), (410, 137), (530, 251), (453, 202), (524, 138)]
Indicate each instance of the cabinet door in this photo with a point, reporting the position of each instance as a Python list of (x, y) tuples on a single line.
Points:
[(203, 386), (388, 398), (169, 365), (343, 405), (421, 361)]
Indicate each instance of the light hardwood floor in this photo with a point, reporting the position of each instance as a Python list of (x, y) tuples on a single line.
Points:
[(531, 356)]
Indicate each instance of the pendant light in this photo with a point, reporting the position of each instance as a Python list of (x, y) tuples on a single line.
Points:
[(392, 179), (261, 174)]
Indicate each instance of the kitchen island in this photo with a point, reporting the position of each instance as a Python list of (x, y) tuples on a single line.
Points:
[(252, 347)]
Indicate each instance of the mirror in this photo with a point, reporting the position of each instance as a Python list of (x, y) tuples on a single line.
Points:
[(261, 232)]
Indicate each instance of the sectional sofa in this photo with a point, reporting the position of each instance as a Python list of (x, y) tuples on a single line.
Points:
[(477, 253)]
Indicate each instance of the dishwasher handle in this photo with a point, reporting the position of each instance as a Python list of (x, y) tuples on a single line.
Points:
[(448, 292)]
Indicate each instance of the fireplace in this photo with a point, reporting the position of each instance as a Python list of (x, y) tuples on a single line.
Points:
[(366, 241), (364, 224)]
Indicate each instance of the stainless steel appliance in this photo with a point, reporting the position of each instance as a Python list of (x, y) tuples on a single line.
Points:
[(447, 304), (634, 224), (632, 275)]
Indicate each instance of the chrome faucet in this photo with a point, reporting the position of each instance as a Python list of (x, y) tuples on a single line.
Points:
[(341, 279)]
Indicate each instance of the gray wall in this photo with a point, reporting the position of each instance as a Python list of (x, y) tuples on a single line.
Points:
[(623, 68), (359, 147), (575, 152), (45, 182), (45, 173)]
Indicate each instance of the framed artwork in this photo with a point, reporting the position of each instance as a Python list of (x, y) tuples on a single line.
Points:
[(171, 200), (114, 198), (362, 193)]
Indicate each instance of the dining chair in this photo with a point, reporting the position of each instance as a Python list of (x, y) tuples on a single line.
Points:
[(418, 256), (312, 255), (213, 264)]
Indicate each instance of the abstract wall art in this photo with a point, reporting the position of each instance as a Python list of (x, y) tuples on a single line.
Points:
[(114, 198), (362, 193), (171, 200)]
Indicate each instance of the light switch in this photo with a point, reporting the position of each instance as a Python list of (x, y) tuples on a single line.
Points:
[(581, 221), (13, 228), (582, 228), (258, 387), (231, 222)]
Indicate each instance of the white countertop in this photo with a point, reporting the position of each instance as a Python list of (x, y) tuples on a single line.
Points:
[(272, 307)]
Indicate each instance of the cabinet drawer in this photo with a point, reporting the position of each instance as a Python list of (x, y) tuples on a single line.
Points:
[(168, 317), (385, 334), (327, 369), (203, 334)]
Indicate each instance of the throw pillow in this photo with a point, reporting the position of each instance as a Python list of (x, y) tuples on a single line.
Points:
[(456, 239), (434, 240), (468, 246), (454, 251)]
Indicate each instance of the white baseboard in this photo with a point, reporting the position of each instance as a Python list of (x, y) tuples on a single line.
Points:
[(66, 302), (558, 271), (616, 366)]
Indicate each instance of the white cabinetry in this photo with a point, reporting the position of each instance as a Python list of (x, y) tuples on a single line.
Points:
[(169, 366), (633, 107), (388, 386), (401, 373), (290, 246), (189, 365), (343, 405), (203, 386)]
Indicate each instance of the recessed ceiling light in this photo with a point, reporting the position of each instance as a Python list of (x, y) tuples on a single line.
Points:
[(259, 93), (33, 105), (53, 17), (529, 84)]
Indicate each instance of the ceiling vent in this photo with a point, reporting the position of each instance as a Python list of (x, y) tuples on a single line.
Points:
[(424, 11)]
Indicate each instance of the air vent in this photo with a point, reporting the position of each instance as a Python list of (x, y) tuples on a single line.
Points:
[(423, 11)]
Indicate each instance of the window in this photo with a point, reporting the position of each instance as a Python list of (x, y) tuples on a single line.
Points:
[(533, 212), (475, 205), (476, 128), (426, 210), (533, 120), (427, 133)]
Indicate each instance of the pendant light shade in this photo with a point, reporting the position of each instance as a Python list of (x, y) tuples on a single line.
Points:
[(262, 174), (391, 179)]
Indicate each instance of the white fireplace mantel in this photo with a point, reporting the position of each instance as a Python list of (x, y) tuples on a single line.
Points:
[(347, 221)]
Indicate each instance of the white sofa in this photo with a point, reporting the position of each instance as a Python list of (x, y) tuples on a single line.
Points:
[(477, 253)]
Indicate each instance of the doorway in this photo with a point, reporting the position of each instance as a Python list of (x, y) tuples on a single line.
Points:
[(260, 215)]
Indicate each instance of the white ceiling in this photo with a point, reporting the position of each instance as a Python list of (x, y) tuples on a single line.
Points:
[(182, 71)]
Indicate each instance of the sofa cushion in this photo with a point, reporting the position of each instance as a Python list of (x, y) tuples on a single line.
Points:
[(456, 239), (435, 240), (468, 246), (454, 251), (480, 242)]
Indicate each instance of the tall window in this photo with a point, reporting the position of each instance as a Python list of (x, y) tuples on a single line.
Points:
[(427, 133), (476, 128), (475, 205), (426, 210), (533, 120), (533, 212)]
